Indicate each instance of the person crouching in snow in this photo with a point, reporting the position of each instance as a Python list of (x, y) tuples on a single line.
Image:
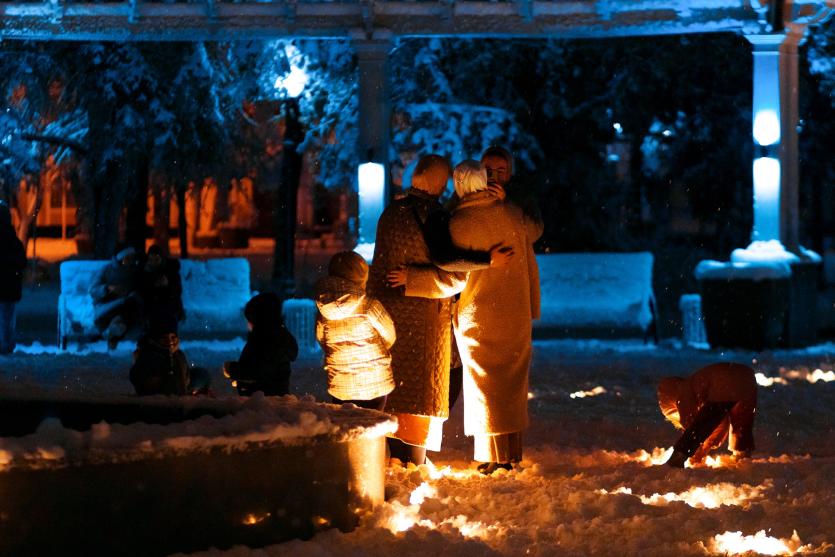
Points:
[(716, 402), (264, 364), (160, 367), (356, 333)]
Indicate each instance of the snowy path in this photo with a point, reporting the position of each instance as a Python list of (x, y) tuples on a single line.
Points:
[(587, 485)]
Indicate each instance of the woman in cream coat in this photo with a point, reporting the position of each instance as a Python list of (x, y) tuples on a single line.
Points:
[(493, 319)]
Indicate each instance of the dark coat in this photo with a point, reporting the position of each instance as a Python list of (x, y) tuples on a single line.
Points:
[(12, 262), (421, 310), (160, 367), (264, 364), (108, 303), (161, 290)]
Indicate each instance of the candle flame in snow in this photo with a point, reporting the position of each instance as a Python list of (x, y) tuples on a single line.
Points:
[(711, 496), (594, 392), (735, 543), (815, 376)]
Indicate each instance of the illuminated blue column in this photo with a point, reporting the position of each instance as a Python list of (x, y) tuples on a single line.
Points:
[(374, 123), (775, 119)]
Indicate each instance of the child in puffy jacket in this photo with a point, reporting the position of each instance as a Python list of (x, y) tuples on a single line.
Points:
[(264, 364), (717, 402), (355, 332)]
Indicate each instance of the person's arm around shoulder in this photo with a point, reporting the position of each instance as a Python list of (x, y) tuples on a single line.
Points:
[(381, 321)]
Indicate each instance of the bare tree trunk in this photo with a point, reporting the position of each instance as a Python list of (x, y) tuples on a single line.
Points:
[(137, 212), (162, 210), (182, 224)]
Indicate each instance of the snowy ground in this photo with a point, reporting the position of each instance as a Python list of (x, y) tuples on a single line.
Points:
[(587, 485)]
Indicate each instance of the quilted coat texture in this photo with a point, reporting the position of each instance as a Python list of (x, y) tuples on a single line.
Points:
[(421, 310), (355, 332)]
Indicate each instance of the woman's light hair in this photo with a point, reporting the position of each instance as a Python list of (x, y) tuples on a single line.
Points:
[(469, 177)]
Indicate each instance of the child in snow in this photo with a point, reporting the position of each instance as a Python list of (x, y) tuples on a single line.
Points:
[(264, 364), (161, 368), (356, 333), (716, 402)]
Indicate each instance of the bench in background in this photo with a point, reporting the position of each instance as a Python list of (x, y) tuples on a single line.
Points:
[(214, 295), (596, 295)]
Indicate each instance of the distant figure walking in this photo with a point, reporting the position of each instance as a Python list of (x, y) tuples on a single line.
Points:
[(356, 333), (116, 303), (12, 265), (717, 402), (493, 321), (264, 363)]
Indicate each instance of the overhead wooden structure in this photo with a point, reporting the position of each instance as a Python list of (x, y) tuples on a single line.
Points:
[(221, 20), (774, 27)]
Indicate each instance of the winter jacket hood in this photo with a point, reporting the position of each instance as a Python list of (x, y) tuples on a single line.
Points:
[(338, 298)]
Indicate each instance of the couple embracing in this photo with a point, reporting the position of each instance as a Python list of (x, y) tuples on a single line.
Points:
[(481, 252)]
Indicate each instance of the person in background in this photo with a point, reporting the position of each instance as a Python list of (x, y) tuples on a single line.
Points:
[(717, 402), (12, 265), (161, 290), (160, 367), (356, 333), (116, 303), (501, 182), (264, 363), (493, 321)]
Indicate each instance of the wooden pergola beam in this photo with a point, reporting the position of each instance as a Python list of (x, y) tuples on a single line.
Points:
[(218, 20)]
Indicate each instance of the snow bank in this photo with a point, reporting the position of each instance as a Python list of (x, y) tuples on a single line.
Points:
[(243, 422), (771, 251), (595, 290), (761, 270)]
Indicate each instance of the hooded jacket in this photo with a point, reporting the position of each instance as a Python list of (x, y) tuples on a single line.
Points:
[(264, 364), (685, 402), (356, 333)]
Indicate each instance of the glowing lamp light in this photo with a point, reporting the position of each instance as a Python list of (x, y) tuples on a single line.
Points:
[(766, 199), (766, 127), (295, 81), (371, 178)]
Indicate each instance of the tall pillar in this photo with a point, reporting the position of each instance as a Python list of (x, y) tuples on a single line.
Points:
[(775, 119), (374, 133)]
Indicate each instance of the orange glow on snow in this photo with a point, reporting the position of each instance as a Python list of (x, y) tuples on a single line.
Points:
[(818, 375), (711, 496), (735, 543), (594, 392), (252, 519)]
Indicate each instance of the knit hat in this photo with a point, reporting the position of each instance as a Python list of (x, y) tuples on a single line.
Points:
[(431, 174), (350, 266)]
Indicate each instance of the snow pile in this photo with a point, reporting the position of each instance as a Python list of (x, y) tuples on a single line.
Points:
[(243, 422), (595, 290), (761, 270), (771, 251), (570, 496)]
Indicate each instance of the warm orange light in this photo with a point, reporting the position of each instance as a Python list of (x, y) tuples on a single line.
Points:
[(710, 496), (735, 543), (252, 519), (593, 392)]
